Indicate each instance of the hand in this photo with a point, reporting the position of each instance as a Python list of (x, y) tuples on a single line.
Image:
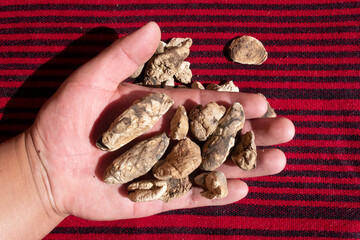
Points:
[(66, 128)]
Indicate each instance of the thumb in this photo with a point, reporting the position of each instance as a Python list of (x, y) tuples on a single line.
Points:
[(119, 60)]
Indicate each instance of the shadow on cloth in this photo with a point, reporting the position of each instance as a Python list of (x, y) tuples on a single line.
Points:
[(21, 110)]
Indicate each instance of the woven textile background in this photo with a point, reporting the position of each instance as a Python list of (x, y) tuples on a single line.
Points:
[(311, 76)]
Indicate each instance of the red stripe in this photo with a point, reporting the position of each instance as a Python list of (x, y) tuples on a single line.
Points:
[(307, 203), (294, 179), (115, 2), (180, 236), (125, 25), (272, 73), (196, 35), (213, 222), (279, 61), (326, 156), (243, 84), (195, 48), (337, 131), (326, 168), (216, 72), (202, 60), (317, 118), (182, 12), (325, 143), (316, 104), (270, 49), (326, 192)]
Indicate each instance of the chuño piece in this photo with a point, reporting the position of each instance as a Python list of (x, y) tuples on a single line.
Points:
[(244, 153), (205, 119), (163, 66), (229, 86), (154, 189), (214, 184), (179, 125), (136, 120), (183, 159), (247, 50), (217, 147), (184, 73), (197, 85), (137, 161)]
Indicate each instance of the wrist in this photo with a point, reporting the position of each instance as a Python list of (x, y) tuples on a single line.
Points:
[(29, 210)]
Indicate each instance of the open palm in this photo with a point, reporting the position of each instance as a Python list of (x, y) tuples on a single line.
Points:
[(66, 128)]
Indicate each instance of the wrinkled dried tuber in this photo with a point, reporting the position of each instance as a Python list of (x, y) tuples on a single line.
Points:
[(183, 159), (214, 184), (165, 190), (204, 119), (136, 120), (179, 125), (184, 73), (244, 153), (163, 66), (247, 50), (217, 147), (137, 161), (226, 87), (197, 85)]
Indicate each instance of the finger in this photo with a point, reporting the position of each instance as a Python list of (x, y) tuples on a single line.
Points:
[(254, 105), (120, 59), (269, 162), (270, 131)]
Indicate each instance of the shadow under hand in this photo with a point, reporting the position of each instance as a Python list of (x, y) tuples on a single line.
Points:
[(20, 112)]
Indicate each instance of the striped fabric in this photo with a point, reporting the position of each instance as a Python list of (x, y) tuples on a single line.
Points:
[(311, 77)]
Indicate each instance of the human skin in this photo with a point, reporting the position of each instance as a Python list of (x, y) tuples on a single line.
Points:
[(51, 170)]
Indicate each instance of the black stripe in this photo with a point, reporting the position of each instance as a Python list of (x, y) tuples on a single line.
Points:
[(285, 42), (79, 54), (202, 231), (294, 212), (206, 41), (319, 124), (328, 150), (329, 137), (324, 162), (317, 173), (303, 185), (28, 92), (16, 121), (239, 79), (19, 110), (184, 18), (305, 112), (280, 112), (242, 30), (280, 93), (271, 93), (303, 197), (70, 55), (278, 67), (320, 54), (156, 6), (222, 66)]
